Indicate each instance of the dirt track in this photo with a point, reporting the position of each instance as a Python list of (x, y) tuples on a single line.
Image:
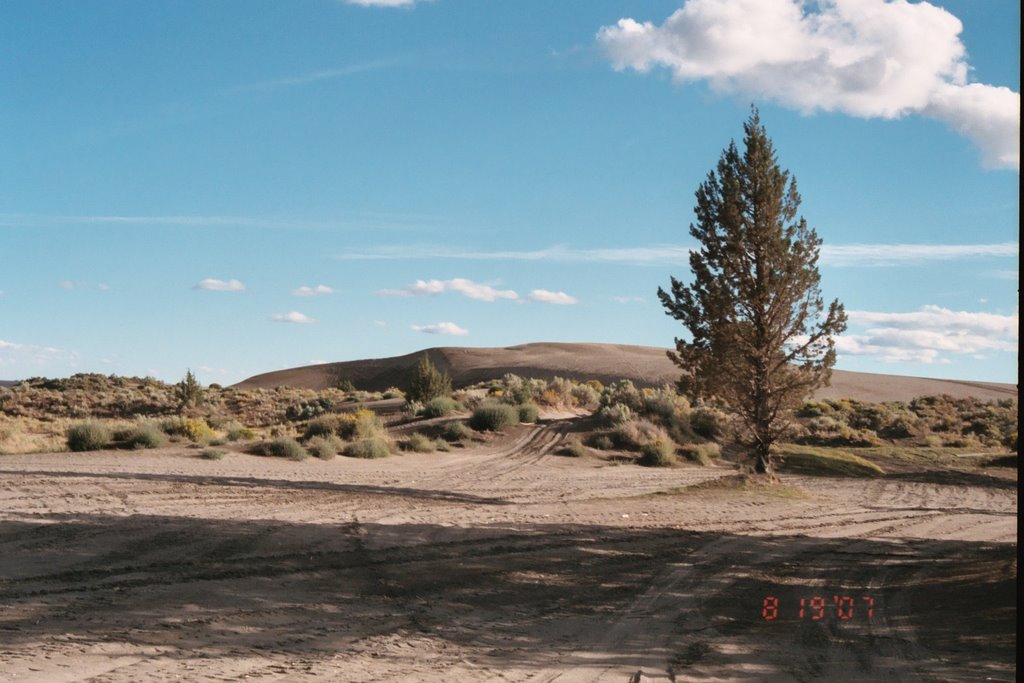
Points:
[(501, 562)]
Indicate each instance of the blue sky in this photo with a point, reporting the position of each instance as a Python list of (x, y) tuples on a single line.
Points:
[(241, 186)]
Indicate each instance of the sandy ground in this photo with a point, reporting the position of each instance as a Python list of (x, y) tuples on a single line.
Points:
[(501, 562)]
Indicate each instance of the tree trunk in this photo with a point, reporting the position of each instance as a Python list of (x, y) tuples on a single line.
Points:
[(763, 461)]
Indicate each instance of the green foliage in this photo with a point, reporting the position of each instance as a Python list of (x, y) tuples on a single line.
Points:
[(393, 392), (657, 454), (362, 424), (528, 412), (213, 454), (144, 435), (324, 447), (601, 442), (427, 382), (829, 461), (493, 417), (418, 443), (374, 447), (307, 410), (439, 407), (325, 425), (755, 288), (189, 392), (708, 422), (282, 447), (88, 436), (702, 453), (455, 431), (574, 448)]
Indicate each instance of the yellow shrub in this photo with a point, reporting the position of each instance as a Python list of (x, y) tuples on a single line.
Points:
[(197, 430)]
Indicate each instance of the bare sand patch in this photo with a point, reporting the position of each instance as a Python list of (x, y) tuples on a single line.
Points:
[(500, 561)]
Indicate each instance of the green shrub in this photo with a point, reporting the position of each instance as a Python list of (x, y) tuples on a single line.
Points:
[(634, 434), (212, 454), (324, 447), (585, 396), (240, 434), (601, 442), (427, 382), (574, 448), (144, 436), (325, 425), (418, 443), (282, 447), (528, 412), (373, 447), (455, 431), (707, 422), (88, 436), (439, 407), (493, 417), (702, 453), (362, 424), (657, 454)]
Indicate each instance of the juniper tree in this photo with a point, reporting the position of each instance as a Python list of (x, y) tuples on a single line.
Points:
[(761, 336), (189, 392), (427, 382)]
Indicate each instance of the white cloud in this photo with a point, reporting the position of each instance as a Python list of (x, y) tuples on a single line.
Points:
[(293, 317), (23, 355), (867, 58), (449, 329), (66, 284), (215, 285), (924, 336), (381, 3), (628, 299), (668, 254), (318, 290), (467, 288), (546, 297), (900, 254)]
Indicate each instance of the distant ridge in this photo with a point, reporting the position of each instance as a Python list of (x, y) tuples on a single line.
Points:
[(644, 365), (8, 382)]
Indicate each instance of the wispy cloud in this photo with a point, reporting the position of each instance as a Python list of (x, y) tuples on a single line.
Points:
[(215, 285), (901, 254), (869, 58), (18, 355), (447, 328), (848, 255), (293, 317), (545, 297), (317, 76), (467, 288), (318, 290), (928, 335), (381, 3)]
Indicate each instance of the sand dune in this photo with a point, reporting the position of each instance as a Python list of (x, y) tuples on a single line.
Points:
[(644, 365)]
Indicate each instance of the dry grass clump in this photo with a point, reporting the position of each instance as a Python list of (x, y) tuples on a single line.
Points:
[(142, 436), (455, 431), (421, 443), (325, 447), (702, 453), (213, 454), (439, 407), (528, 413), (88, 436), (574, 448), (373, 447), (657, 454), (830, 461), (494, 417), (281, 447)]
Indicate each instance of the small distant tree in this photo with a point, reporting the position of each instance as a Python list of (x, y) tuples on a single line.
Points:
[(761, 337), (189, 392), (427, 382)]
